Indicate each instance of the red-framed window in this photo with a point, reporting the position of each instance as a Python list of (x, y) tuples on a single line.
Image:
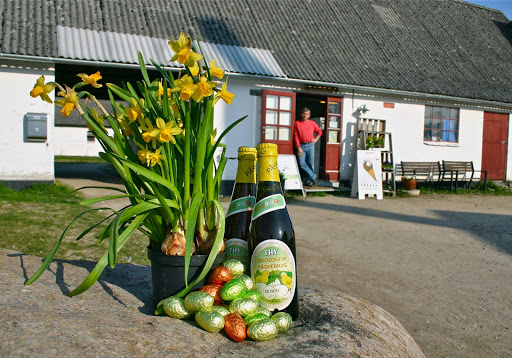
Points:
[(441, 124), (278, 117)]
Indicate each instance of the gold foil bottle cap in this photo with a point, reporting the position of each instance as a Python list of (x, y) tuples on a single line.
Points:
[(247, 153), (267, 150)]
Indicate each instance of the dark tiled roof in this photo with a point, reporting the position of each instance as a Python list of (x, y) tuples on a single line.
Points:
[(446, 47)]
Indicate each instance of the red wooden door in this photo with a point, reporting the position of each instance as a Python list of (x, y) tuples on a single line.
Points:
[(494, 145), (333, 138), (278, 117)]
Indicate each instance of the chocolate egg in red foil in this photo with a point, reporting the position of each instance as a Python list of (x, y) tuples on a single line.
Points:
[(214, 291), (220, 275), (235, 328)]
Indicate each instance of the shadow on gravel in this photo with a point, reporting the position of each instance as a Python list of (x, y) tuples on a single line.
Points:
[(94, 171), (494, 229)]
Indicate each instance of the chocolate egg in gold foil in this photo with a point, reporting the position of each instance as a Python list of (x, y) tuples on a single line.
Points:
[(263, 330), (236, 267), (233, 289), (283, 321), (223, 310), (249, 283), (175, 307), (210, 320), (254, 318), (220, 275), (198, 300), (243, 306), (214, 291)]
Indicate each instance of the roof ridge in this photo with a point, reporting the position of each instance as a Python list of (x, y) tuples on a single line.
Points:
[(479, 6)]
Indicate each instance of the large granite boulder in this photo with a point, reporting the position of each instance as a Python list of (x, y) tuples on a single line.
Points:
[(115, 319)]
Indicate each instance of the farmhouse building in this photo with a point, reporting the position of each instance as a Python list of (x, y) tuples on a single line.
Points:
[(438, 73)]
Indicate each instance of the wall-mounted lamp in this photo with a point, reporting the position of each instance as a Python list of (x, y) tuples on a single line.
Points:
[(362, 109)]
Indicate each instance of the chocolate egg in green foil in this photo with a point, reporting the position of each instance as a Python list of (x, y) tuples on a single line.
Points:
[(175, 307), (283, 321), (224, 311), (264, 310), (210, 320), (236, 267), (254, 318), (262, 330), (198, 300), (255, 295), (243, 306), (233, 289), (249, 283)]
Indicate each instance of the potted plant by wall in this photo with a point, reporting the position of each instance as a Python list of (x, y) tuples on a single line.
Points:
[(375, 141), (409, 182), (162, 145)]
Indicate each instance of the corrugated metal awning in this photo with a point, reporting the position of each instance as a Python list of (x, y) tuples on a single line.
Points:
[(104, 46)]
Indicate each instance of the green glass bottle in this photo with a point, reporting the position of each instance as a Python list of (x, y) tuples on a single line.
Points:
[(238, 216), (272, 242)]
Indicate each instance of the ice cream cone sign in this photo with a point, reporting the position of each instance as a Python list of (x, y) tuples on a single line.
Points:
[(368, 166)]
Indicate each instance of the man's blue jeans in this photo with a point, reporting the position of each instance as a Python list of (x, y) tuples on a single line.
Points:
[(307, 161)]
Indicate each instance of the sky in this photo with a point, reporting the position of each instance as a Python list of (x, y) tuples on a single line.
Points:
[(505, 6)]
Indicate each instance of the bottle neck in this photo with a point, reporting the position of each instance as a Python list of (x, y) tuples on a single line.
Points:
[(246, 172), (267, 169)]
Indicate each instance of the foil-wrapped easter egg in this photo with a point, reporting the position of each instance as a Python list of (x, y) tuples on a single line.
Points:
[(214, 291), (255, 295), (220, 275), (210, 320), (233, 289), (243, 306), (175, 307), (223, 310), (198, 300), (264, 310), (283, 321), (262, 330), (235, 328), (254, 318), (249, 283), (236, 267)]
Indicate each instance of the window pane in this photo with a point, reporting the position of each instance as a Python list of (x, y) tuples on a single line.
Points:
[(335, 107), (436, 136), (271, 117), (427, 135), (285, 103), (436, 123), (453, 125), (272, 102), (445, 113), (334, 122), (454, 113), (285, 118), (450, 136), (271, 133), (428, 111), (284, 133), (436, 112), (428, 123), (334, 137)]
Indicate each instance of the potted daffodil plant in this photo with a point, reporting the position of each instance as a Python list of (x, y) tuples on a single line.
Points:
[(162, 144)]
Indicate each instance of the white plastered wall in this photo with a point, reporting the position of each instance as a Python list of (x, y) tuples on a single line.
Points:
[(72, 141), (24, 161)]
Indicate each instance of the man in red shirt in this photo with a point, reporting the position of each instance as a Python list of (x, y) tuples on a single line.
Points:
[(304, 142)]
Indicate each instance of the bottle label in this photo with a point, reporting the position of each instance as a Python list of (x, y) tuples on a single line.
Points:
[(268, 204), (238, 249), (273, 271), (239, 205)]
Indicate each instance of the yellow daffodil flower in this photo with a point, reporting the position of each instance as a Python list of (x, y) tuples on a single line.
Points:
[(224, 94), (183, 53), (133, 112), (125, 126), (161, 90), (204, 89), (215, 70), (194, 70), (166, 131), (185, 86), (69, 102), (91, 79), (144, 155), (155, 158), (42, 90), (146, 129)]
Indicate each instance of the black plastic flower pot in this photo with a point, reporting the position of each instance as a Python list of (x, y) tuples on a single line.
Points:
[(168, 272)]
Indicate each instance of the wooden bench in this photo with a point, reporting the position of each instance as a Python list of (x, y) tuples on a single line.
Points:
[(460, 170), (426, 171)]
